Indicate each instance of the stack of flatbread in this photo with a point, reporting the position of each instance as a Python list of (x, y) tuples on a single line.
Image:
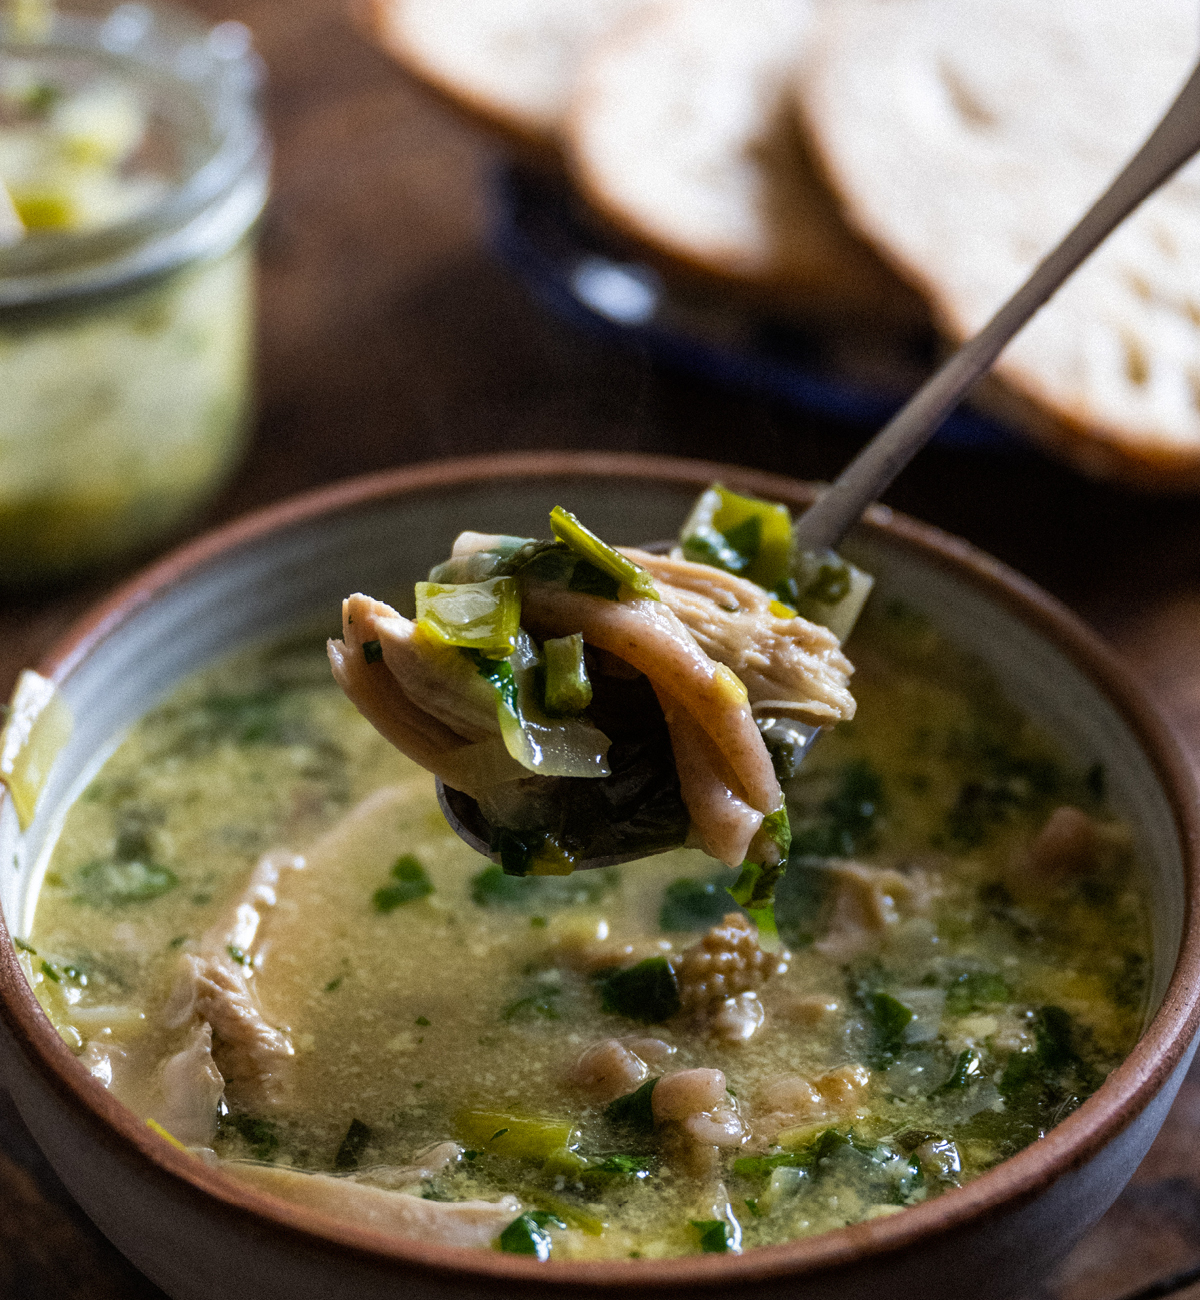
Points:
[(882, 160)]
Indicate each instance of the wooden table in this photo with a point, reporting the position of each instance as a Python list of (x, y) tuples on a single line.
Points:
[(389, 335)]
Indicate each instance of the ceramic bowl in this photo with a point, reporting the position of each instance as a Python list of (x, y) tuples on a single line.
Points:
[(201, 1236)]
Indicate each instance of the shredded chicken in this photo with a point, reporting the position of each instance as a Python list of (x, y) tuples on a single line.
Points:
[(448, 1223), (215, 986), (781, 660), (192, 1087), (713, 649), (867, 901), (647, 635)]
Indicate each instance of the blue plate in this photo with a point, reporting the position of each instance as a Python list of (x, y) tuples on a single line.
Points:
[(536, 232)]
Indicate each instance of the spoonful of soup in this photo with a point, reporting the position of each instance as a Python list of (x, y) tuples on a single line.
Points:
[(582, 704)]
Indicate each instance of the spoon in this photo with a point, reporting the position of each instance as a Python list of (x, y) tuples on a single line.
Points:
[(1172, 143)]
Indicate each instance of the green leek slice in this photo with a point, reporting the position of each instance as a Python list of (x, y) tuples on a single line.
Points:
[(741, 535), (589, 547), (39, 724), (482, 616)]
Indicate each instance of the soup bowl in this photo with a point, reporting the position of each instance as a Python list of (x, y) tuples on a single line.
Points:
[(202, 1236)]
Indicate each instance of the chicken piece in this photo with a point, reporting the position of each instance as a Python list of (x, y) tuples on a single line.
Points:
[(726, 963), (215, 985), (782, 661), (647, 635), (192, 1088), (425, 699), (867, 901), (446, 1223), (1071, 843), (427, 1164), (726, 822)]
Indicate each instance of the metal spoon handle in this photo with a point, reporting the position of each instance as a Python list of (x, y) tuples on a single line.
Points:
[(1172, 143)]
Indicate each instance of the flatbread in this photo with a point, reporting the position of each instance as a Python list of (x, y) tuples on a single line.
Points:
[(511, 63), (964, 137), (681, 135)]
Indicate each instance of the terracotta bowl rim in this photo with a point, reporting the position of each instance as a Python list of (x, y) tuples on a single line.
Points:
[(1014, 1182)]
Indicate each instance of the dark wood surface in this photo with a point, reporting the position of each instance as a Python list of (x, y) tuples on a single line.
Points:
[(389, 335)]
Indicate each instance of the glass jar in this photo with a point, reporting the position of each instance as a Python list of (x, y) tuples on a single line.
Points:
[(134, 157)]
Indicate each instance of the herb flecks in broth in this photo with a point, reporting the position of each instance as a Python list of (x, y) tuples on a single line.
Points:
[(613, 1063)]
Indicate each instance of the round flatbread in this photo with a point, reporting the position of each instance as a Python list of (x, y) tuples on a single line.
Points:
[(681, 135), (964, 137), (511, 63)]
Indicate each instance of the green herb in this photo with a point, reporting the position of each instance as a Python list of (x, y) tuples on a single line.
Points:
[(537, 923), (621, 1166), (259, 1134), (975, 989), (528, 1235), (50, 973), (178, 941), (411, 883), (499, 672), (492, 888), (24, 947), (567, 688), (499, 1133), (358, 1135), (751, 1203), (968, 1069), (373, 651), (238, 955), (764, 1166), (334, 984), (714, 1235), (634, 1108), (889, 1019), (590, 548), (538, 1004), (845, 824), (693, 905), (114, 884), (591, 581), (423, 1021), (648, 991)]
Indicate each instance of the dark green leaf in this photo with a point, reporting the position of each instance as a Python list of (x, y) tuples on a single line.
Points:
[(975, 989), (591, 581), (412, 883), (528, 1235), (714, 1235), (492, 888), (968, 1069), (373, 651), (634, 1109), (648, 991), (358, 1136), (115, 884), (260, 1135), (693, 905)]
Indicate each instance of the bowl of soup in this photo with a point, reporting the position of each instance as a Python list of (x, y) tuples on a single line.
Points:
[(281, 1032)]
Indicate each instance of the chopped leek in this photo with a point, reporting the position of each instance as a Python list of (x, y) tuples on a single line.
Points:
[(634, 1109), (741, 535), (519, 1137), (38, 726), (568, 690), (589, 547), (481, 616), (545, 745), (356, 1141), (829, 590), (528, 1235)]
